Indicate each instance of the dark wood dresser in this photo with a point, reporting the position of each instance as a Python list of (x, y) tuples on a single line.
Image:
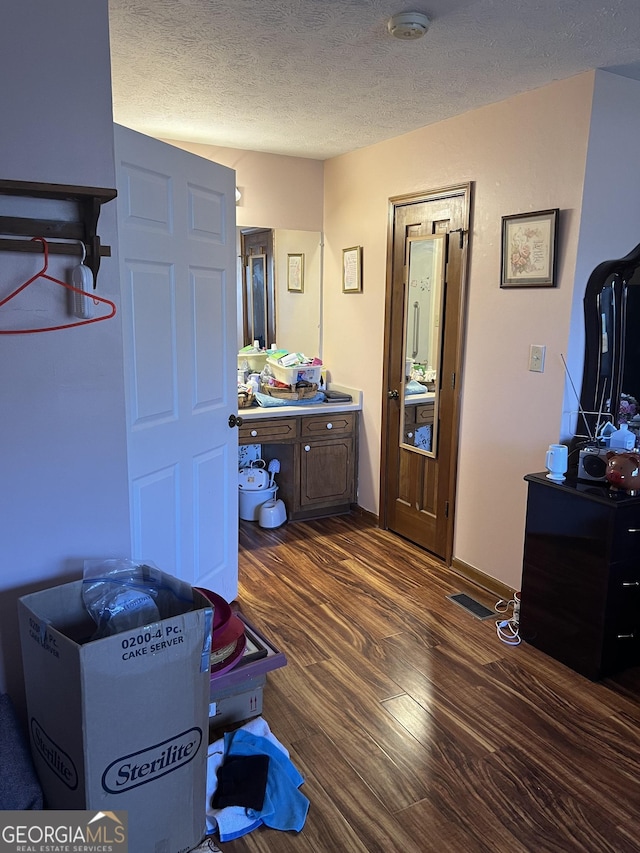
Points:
[(581, 575)]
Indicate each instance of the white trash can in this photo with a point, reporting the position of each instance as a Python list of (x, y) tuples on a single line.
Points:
[(250, 501)]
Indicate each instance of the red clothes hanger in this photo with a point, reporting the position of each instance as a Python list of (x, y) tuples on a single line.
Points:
[(43, 274)]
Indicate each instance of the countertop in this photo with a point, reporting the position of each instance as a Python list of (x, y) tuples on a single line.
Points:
[(254, 413), (417, 399)]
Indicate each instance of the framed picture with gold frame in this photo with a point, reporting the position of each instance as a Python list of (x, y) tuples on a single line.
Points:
[(295, 273), (352, 270)]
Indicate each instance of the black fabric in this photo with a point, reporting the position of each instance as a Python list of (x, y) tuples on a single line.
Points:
[(242, 781), (19, 785)]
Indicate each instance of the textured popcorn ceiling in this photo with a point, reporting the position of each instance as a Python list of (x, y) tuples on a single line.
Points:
[(316, 78)]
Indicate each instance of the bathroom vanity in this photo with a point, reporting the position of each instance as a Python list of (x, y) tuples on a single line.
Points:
[(419, 416), (581, 575), (317, 447)]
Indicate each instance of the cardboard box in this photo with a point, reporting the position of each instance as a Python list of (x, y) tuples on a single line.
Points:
[(236, 703), (237, 695), (120, 723)]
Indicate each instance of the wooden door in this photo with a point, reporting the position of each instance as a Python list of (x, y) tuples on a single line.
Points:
[(418, 491), (176, 229)]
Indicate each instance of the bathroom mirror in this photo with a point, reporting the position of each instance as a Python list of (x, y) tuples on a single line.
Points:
[(424, 291), (268, 310)]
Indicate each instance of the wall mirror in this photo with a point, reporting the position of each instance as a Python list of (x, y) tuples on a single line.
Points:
[(423, 301), (611, 376), (269, 311)]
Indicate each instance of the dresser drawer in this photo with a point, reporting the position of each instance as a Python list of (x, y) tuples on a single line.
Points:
[(337, 423), (424, 414), (258, 431), (626, 533)]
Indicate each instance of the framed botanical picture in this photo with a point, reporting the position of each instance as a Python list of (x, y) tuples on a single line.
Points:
[(352, 270), (529, 249), (295, 273)]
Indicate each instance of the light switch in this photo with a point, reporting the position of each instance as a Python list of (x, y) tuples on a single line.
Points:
[(536, 358)]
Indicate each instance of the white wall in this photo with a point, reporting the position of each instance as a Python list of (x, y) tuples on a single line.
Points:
[(64, 492)]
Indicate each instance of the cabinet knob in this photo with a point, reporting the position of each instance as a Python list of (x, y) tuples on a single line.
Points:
[(409, 435), (631, 583), (254, 432), (329, 425), (307, 447)]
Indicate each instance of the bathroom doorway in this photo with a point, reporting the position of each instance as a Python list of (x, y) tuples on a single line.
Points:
[(418, 477)]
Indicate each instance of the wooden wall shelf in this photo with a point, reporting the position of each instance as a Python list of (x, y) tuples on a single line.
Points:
[(81, 229)]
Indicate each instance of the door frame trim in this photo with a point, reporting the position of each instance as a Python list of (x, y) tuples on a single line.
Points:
[(465, 187)]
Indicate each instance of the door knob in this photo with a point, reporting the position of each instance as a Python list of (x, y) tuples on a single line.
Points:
[(393, 395), (234, 421)]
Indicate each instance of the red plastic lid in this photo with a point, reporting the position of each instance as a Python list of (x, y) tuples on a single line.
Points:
[(221, 610)]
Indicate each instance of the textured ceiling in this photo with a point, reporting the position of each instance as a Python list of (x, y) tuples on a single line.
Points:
[(316, 78)]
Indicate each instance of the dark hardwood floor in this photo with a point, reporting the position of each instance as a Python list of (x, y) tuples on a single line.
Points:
[(415, 728)]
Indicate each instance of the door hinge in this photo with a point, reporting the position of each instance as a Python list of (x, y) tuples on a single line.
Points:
[(453, 381), (446, 509), (461, 232)]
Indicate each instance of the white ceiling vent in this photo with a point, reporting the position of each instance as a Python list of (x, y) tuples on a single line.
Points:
[(408, 25)]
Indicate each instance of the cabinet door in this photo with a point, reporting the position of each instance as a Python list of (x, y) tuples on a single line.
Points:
[(327, 472)]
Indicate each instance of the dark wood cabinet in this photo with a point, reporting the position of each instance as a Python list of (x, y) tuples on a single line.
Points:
[(318, 460), (581, 575), (326, 473)]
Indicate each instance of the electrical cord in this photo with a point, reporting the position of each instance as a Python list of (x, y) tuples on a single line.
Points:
[(508, 630)]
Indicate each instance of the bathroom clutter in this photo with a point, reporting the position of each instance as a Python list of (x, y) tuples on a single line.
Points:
[(257, 494), (422, 373), (277, 374)]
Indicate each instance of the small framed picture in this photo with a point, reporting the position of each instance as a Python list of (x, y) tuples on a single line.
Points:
[(529, 249), (352, 270), (295, 273)]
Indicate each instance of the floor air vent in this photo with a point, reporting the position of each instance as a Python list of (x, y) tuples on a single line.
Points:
[(471, 605)]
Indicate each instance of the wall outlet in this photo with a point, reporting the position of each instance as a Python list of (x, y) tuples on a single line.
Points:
[(536, 358)]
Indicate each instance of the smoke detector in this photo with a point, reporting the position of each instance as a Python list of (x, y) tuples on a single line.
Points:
[(408, 25)]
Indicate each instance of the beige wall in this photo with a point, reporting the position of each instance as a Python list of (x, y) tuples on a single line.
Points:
[(276, 191), (298, 314), (524, 154)]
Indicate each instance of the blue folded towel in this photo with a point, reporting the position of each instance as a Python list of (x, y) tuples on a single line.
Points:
[(270, 402), (414, 387)]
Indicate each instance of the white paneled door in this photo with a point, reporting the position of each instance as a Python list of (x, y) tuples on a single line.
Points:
[(176, 237)]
